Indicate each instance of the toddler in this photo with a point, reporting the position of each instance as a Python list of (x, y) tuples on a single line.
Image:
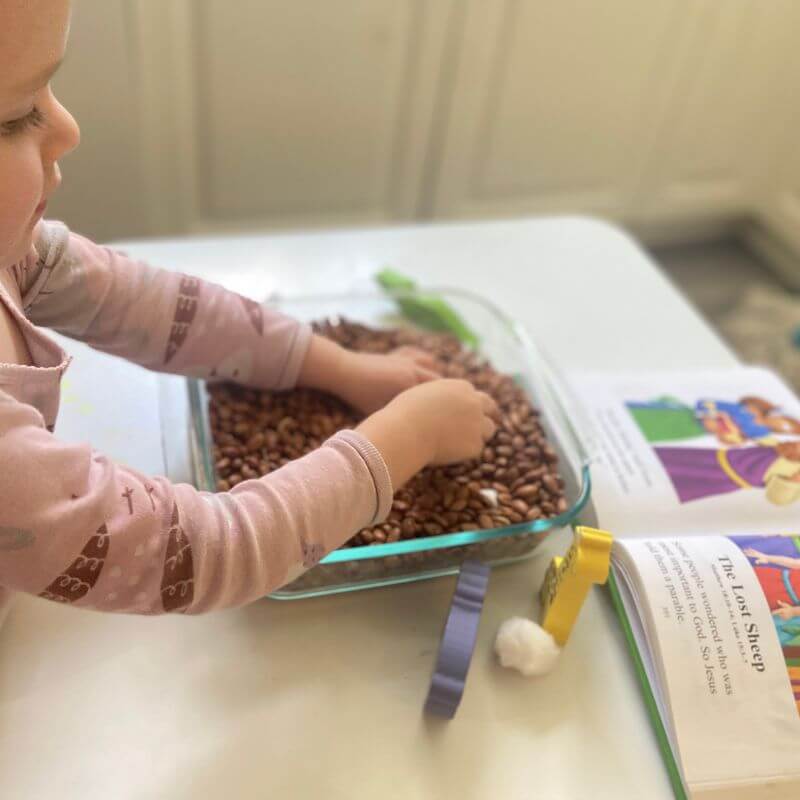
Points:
[(77, 528)]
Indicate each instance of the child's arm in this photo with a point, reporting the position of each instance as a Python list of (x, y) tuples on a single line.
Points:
[(162, 320), (77, 528)]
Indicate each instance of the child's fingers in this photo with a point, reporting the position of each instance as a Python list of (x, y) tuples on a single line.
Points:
[(427, 361), (425, 375), (488, 429), (409, 351), (419, 357), (489, 406)]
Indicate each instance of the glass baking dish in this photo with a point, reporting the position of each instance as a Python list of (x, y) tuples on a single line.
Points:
[(509, 348)]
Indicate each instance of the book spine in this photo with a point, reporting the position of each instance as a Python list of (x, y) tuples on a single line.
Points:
[(652, 707)]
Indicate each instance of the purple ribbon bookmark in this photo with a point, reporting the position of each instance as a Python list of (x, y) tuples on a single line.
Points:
[(458, 641)]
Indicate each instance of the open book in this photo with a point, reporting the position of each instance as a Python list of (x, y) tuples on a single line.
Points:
[(698, 477)]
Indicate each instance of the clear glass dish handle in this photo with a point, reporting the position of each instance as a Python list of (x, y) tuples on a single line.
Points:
[(563, 403)]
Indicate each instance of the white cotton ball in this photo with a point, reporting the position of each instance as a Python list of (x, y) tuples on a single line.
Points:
[(525, 646)]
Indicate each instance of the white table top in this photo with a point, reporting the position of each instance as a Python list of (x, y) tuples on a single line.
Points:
[(323, 697)]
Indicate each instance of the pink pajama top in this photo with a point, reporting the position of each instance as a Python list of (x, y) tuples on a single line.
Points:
[(76, 527)]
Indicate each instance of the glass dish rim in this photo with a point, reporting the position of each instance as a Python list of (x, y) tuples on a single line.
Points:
[(550, 380)]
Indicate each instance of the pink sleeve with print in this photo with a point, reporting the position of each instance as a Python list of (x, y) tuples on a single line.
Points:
[(162, 320), (75, 527)]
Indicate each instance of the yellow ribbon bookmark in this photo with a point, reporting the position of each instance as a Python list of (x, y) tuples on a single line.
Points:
[(568, 580)]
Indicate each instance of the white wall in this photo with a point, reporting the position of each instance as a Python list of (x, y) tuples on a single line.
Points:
[(206, 115), (103, 193)]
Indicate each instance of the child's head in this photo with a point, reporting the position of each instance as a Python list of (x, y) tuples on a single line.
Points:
[(35, 130)]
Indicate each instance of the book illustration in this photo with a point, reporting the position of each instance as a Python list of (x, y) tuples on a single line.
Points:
[(750, 419), (672, 452), (665, 419), (749, 451), (686, 467), (776, 563), (697, 473)]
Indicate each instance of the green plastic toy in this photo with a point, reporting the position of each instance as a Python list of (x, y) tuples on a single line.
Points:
[(426, 310)]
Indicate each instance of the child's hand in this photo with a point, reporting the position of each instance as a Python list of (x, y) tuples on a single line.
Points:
[(369, 381), (453, 419), (439, 422), (366, 381)]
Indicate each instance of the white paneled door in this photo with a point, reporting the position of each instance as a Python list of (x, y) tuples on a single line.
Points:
[(642, 111), (290, 113), (550, 103), (211, 115), (722, 114), (103, 192)]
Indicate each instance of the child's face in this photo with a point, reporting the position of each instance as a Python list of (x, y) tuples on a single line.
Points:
[(35, 130)]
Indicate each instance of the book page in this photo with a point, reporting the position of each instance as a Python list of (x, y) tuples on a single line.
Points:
[(688, 452), (722, 629)]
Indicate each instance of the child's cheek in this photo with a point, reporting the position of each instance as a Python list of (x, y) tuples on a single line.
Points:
[(21, 188)]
